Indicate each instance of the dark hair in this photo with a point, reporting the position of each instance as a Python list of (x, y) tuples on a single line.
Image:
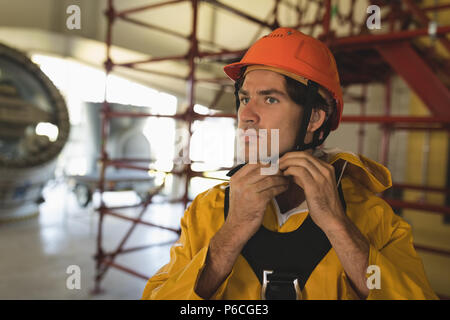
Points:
[(296, 91)]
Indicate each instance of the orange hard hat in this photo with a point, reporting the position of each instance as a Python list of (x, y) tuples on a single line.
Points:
[(298, 54)]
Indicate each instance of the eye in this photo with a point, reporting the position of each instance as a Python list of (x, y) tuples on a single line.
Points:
[(244, 100), (271, 100)]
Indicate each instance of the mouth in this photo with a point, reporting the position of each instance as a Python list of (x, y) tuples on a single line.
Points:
[(246, 137), (249, 133)]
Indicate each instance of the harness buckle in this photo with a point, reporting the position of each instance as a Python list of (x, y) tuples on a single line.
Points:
[(266, 282)]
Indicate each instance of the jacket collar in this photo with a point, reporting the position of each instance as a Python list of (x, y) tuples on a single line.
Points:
[(369, 173)]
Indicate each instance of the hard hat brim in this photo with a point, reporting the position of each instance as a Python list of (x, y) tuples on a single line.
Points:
[(234, 72)]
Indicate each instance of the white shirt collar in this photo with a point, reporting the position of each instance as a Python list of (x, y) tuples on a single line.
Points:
[(303, 207)]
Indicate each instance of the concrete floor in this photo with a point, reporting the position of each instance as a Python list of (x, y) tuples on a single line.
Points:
[(36, 252)]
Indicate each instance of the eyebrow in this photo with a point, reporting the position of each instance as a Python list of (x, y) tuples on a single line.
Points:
[(264, 92)]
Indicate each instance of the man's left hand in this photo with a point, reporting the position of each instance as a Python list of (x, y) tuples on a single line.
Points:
[(317, 179)]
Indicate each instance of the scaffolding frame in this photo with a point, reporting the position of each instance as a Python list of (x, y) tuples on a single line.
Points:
[(356, 40)]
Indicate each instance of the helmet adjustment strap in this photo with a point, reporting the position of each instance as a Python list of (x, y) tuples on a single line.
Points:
[(311, 91), (325, 128)]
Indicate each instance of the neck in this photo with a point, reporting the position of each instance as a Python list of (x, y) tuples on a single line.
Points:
[(291, 198)]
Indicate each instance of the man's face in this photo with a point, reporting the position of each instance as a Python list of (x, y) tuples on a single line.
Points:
[(265, 104)]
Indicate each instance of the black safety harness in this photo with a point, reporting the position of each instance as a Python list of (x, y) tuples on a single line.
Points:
[(284, 261)]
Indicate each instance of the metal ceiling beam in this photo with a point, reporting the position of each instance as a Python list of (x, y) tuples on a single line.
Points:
[(148, 7), (424, 21), (397, 119), (352, 42), (410, 66), (238, 13)]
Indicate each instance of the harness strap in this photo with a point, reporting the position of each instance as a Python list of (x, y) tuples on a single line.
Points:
[(283, 262)]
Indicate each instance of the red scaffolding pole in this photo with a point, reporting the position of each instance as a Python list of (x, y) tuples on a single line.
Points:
[(370, 47)]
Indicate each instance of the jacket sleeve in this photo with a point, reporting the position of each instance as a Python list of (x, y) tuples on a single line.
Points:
[(401, 271), (177, 279)]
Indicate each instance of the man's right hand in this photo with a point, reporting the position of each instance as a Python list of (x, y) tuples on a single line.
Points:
[(250, 192)]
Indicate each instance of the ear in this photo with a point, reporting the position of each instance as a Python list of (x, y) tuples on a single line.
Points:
[(317, 118)]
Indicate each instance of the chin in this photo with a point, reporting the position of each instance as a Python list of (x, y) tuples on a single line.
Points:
[(244, 150)]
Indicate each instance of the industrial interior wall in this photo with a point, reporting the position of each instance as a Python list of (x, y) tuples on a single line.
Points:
[(427, 163), (347, 135)]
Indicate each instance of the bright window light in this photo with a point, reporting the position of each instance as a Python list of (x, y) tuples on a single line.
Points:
[(198, 108), (162, 148), (198, 185), (217, 174), (213, 143), (80, 82), (124, 91), (165, 104), (47, 129), (73, 78), (76, 166)]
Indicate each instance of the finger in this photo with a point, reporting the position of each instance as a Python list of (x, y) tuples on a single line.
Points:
[(306, 163), (245, 173), (301, 176), (255, 175), (293, 154), (250, 167), (325, 168), (246, 169), (273, 191), (303, 154), (269, 182)]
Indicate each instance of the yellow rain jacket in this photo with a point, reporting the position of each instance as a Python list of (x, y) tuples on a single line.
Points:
[(391, 245)]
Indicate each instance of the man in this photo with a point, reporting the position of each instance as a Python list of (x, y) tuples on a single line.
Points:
[(315, 227)]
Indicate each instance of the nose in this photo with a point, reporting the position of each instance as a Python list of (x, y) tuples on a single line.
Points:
[(248, 113)]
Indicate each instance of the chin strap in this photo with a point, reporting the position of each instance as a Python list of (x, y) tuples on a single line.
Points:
[(300, 145)]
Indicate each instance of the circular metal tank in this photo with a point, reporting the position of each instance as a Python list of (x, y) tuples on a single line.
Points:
[(28, 101)]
